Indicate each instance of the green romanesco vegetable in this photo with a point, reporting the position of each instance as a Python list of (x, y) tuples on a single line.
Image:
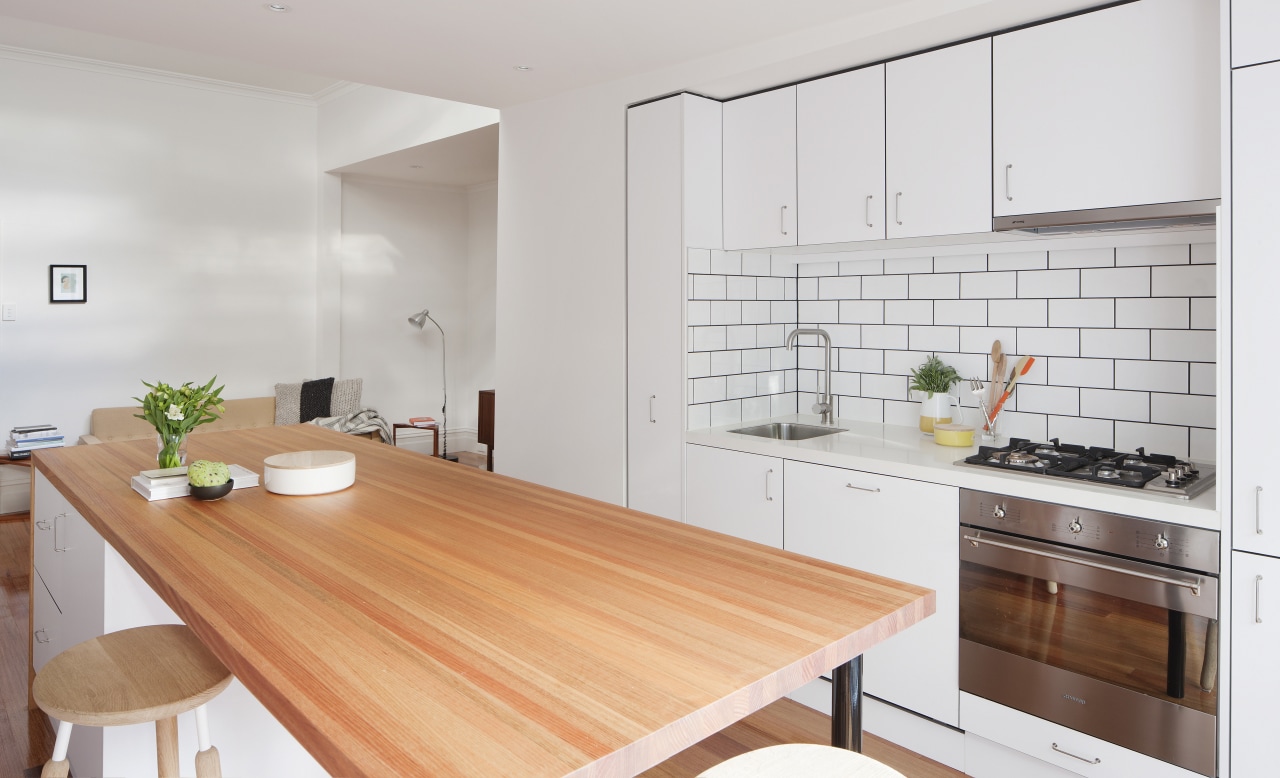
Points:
[(205, 473)]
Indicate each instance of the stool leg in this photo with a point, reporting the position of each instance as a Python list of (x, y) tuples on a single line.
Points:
[(58, 766), (167, 747), (207, 763)]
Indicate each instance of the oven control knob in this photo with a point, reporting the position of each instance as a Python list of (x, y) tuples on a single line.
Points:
[(998, 512), (1075, 526), (1161, 541)]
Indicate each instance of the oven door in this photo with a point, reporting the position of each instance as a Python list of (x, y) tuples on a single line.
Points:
[(1122, 650)]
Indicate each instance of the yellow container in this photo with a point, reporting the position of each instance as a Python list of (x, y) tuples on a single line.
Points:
[(959, 435)]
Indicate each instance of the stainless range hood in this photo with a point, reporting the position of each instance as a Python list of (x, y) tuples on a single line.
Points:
[(1132, 218)]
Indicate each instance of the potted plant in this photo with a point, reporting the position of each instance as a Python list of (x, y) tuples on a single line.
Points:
[(174, 412), (934, 378)]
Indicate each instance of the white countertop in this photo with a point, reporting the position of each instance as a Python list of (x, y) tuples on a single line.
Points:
[(905, 452)]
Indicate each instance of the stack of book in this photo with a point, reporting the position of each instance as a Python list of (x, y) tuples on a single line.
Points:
[(172, 482), (24, 440), (422, 421)]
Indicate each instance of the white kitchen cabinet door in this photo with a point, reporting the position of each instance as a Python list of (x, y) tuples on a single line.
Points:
[(1255, 673), (901, 529), (760, 170), (1112, 108), (1255, 276), (1255, 32), (938, 142), (735, 493), (840, 157), (46, 625)]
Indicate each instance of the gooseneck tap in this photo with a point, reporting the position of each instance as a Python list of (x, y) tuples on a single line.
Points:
[(823, 406)]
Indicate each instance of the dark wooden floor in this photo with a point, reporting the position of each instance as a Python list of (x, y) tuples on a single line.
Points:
[(26, 740)]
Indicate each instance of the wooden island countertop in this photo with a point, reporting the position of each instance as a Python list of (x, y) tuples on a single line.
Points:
[(440, 620)]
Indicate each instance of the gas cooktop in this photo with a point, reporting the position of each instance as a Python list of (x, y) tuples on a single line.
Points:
[(1139, 470)]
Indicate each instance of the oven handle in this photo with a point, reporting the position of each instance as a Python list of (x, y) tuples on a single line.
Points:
[(1194, 586)]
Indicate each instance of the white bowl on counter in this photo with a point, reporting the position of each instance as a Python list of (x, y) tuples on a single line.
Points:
[(309, 472)]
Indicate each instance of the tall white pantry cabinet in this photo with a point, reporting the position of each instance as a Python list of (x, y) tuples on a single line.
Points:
[(673, 201)]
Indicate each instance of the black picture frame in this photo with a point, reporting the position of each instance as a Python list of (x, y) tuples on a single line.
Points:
[(68, 283)]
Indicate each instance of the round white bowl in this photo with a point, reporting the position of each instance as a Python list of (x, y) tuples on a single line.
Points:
[(309, 472)]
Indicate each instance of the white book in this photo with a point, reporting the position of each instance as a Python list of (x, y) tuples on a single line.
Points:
[(178, 486)]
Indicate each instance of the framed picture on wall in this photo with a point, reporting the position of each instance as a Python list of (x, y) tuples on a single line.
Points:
[(68, 283)]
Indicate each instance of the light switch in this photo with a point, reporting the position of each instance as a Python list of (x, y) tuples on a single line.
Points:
[(10, 312)]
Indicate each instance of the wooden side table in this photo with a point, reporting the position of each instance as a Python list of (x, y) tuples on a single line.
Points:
[(435, 435), (484, 433), (19, 516)]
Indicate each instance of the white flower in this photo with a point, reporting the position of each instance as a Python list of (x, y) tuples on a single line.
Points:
[(175, 413)]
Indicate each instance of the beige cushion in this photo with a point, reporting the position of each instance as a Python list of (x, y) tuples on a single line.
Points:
[(107, 425), (801, 759)]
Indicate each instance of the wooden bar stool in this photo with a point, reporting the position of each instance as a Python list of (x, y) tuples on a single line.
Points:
[(801, 759), (131, 677)]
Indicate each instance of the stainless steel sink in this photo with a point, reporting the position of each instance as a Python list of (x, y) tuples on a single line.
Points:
[(788, 431)]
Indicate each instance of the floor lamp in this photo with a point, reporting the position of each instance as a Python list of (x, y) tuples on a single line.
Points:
[(420, 320)]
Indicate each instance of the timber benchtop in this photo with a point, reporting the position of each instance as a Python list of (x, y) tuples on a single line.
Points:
[(438, 620)]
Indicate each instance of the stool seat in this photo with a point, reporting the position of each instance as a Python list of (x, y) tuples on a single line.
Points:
[(133, 676), (801, 759)]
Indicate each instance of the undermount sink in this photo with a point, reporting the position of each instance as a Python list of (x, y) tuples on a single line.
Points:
[(788, 431)]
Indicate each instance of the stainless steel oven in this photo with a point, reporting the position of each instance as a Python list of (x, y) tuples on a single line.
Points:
[(1103, 623)]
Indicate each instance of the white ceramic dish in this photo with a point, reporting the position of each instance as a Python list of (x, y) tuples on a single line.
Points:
[(309, 472)]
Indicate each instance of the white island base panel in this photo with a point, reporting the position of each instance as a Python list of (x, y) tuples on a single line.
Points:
[(250, 741)]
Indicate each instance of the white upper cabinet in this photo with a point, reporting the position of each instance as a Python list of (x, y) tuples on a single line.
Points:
[(760, 170), (1112, 108), (1255, 32), (840, 157), (938, 142)]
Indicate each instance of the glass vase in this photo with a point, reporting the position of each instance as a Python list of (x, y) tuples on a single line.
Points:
[(172, 449)]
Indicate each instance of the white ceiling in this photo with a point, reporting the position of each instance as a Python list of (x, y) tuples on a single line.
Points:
[(466, 50), (461, 160)]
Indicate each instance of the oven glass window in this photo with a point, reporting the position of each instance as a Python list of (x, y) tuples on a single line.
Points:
[(1122, 642)]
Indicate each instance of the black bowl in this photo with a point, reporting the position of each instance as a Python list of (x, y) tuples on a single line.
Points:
[(212, 492)]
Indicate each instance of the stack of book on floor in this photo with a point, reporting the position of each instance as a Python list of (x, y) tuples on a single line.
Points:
[(423, 421), (164, 484), (24, 440)]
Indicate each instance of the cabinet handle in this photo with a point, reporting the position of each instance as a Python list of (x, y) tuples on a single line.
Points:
[(782, 220), (768, 478), (868, 210), (876, 490), (37, 635), (1095, 760), (1257, 509), (652, 420), (1008, 191), (56, 545), (897, 208), (1257, 599), (42, 524)]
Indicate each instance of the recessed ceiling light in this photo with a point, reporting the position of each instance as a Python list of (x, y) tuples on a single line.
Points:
[(522, 67), (277, 7)]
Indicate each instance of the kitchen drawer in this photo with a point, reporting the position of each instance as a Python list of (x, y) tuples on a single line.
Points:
[(49, 529), (47, 624), (1037, 739)]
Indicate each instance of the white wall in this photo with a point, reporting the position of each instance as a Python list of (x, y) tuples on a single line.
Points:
[(482, 288), (195, 212)]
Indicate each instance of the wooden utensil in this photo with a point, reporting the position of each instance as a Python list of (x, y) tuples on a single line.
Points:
[(1019, 370), (997, 373)]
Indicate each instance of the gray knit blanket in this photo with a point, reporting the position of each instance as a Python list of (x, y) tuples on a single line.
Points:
[(358, 423)]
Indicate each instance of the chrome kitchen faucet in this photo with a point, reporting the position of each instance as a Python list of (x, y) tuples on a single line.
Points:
[(823, 405)]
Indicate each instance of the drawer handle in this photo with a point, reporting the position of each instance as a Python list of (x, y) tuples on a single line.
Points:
[(782, 219), (652, 420), (874, 490), (1008, 191), (1257, 509), (768, 478), (42, 524), (37, 635), (58, 547), (868, 209), (1095, 760), (897, 208), (1257, 599)]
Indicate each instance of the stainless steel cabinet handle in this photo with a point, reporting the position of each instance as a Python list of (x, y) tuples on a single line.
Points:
[(782, 220), (897, 208), (37, 635), (863, 488), (768, 478), (1194, 586), (1095, 760), (652, 420), (1257, 509), (868, 209), (57, 546), (1008, 192), (42, 524), (1257, 599)]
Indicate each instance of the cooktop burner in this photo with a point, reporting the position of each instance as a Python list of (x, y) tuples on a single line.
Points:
[(1135, 470)]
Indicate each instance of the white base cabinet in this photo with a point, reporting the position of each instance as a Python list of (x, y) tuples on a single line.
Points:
[(1255, 32), (735, 493), (1255, 669)]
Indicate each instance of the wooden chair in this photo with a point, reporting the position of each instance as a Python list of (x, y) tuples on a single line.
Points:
[(801, 759), (131, 677)]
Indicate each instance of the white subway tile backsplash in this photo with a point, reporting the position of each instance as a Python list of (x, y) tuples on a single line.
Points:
[(933, 338), (698, 364), (816, 269), (789, 288), (729, 412), (755, 360), (782, 358), (699, 260), (1153, 312), (1204, 378), (967, 263), (740, 386), (768, 336), (1016, 424), (789, 380), (902, 413), (754, 408), (755, 265), (885, 387), (1204, 445), (1116, 344), (961, 313), (1193, 410), (978, 340), (844, 336), (726, 312), (708, 338), (862, 267), (860, 409), (709, 390), (726, 362), (1185, 281), (988, 286), (770, 288), (860, 360), (1048, 283), (782, 404), (1082, 258), (1131, 256), (806, 288), (699, 417), (1061, 400), (938, 286), (1204, 313), (819, 311), (884, 288), (1042, 341), (726, 263), (908, 312), (1087, 312), (1020, 260), (699, 312), (740, 287), (1017, 313), (1204, 253), (1097, 432), (911, 265), (1157, 438), (742, 336), (862, 311), (884, 336), (1096, 373), (849, 384), (783, 266), (1152, 376), (709, 287), (840, 288), (1116, 282), (1114, 404), (1191, 345), (902, 362), (811, 358), (756, 312), (783, 312)]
